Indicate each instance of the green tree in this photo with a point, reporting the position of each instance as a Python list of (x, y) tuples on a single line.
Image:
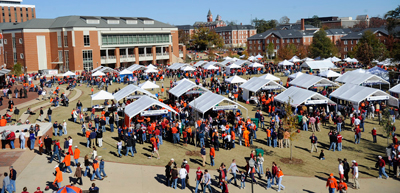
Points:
[(379, 50), (205, 38), (392, 23), (231, 23), (322, 45), (270, 50), (262, 25), (17, 68), (287, 52), (284, 20), (386, 123), (316, 22), (290, 124)]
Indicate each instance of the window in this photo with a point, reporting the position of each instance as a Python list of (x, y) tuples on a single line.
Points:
[(351, 48), (287, 40), (86, 40), (87, 60), (59, 41), (13, 42), (259, 47), (292, 40), (272, 41), (345, 42), (267, 41), (66, 54), (345, 49), (277, 41), (250, 42), (60, 56), (298, 40), (65, 40), (15, 57), (135, 39), (351, 42), (277, 47)]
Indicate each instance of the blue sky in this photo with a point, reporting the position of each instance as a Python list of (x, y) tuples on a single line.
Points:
[(179, 12)]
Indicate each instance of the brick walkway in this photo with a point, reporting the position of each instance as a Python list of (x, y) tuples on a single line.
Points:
[(8, 158)]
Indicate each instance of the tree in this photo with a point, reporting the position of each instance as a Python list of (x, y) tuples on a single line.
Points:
[(316, 22), (361, 25), (17, 68), (284, 20), (375, 22), (270, 50), (386, 123), (302, 51), (289, 122), (379, 51), (205, 38), (322, 45), (246, 55), (262, 25), (231, 23), (184, 38), (393, 20), (287, 52)]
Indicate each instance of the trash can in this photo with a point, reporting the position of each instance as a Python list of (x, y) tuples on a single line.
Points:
[(258, 150), (255, 120)]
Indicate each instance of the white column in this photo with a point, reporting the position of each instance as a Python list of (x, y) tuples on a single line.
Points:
[(126, 52), (106, 53), (145, 53)]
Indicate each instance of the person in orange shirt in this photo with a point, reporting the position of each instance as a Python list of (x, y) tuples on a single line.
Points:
[(175, 134), (342, 186), (212, 156), (331, 183), (67, 162), (233, 136), (92, 90), (77, 152), (246, 137), (59, 177), (279, 175), (269, 136)]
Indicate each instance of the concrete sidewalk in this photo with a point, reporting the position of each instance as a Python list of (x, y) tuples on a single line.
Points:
[(137, 178)]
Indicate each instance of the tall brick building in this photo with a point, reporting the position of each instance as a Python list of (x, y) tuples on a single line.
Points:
[(12, 11), (85, 42)]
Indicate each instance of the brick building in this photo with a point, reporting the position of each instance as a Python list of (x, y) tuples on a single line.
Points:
[(211, 24), (12, 11), (236, 35), (85, 42)]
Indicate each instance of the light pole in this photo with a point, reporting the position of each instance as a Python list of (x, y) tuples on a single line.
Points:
[(251, 165)]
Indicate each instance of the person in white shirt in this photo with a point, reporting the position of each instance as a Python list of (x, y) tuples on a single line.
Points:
[(341, 170), (355, 174), (70, 145), (44, 95), (22, 138), (65, 127), (183, 174)]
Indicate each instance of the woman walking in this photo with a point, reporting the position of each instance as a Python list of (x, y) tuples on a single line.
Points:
[(87, 164), (260, 161), (280, 176), (119, 146)]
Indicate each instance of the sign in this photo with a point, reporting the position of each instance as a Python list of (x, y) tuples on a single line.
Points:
[(195, 92), (314, 102), (322, 85), (377, 98), (227, 107), (270, 87), (154, 112)]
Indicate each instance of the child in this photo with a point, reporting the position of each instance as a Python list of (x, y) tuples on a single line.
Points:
[(268, 177), (242, 180), (321, 155), (78, 174)]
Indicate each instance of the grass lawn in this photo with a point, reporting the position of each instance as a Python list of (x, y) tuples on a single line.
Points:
[(364, 153)]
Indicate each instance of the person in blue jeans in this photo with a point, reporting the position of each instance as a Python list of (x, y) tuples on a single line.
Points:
[(87, 165), (268, 177), (242, 180), (102, 168), (6, 184), (174, 177), (32, 140), (183, 173), (274, 136), (207, 181), (381, 164)]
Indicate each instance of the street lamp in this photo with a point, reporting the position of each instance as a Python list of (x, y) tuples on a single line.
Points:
[(251, 165)]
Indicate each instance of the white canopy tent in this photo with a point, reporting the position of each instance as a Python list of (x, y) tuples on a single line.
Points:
[(233, 66), (320, 65), (125, 72), (256, 65), (285, 63), (358, 78), (295, 59), (259, 57), (395, 89), (148, 85), (209, 100), (235, 79), (183, 80), (107, 69), (355, 94), (96, 69), (212, 64), (255, 84), (307, 59), (98, 73), (227, 58), (252, 58), (151, 70), (387, 62), (270, 77), (241, 62), (211, 67), (347, 59), (184, 87), (142, 104), (329, 74), (242, 56), (102, 95), (200, 63), (176, 66), (151, 66), (297, 96), (306, 81), (226, 62), (295, 75), (187, 68), (136, 67), (130, 89), (69, 73)]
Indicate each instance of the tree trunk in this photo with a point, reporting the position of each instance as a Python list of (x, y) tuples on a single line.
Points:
[(291, 150)]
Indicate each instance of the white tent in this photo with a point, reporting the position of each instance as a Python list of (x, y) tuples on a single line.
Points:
[(241, 62), (107, 69), (176, 66), (151, 66), (187, 68), (184, 87), (329, 74), (96, 69), (102, 95), (242, 56), (395, 89), (259, 56), (347, 59), (151, 70), (233, 66), (200, 63), (307, 59), (142, 104), (295, 59), (297, 96), (211, 67), (256, 65), (235, 59), (69, 73), (285, 63), (255, 84), (359, 71), (235, 79), (183, 80), (270, 77), (251, 58), (148, 85), (320, 65), (130, 89), (227, 58), (387, 62), (135, 67), (125, 71), (358, 78), (209, 100), (98, 73), (295, 75), (225, 62), (375, 61), (355, 94), (213, 64), (335, 59), (306, 81)]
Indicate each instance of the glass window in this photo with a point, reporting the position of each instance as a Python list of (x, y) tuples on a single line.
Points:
[(87, 60), (86, 40), (277, 41), (60, 56), (66, 54), (65, 41), (13, 42), (59, 41), (15, 57)]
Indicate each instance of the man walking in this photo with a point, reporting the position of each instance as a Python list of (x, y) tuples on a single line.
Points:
[(331, 183), (346, 168), (206, 181), (234, 169), (355, 174), (314, 141), (49, 112), (199, 176), (381, 164), (13, 176), (203, 155)]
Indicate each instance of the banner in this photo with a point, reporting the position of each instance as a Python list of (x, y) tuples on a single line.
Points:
[(227, 107), (195, 92), (314, 102), (154, 112), (378, 98)]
